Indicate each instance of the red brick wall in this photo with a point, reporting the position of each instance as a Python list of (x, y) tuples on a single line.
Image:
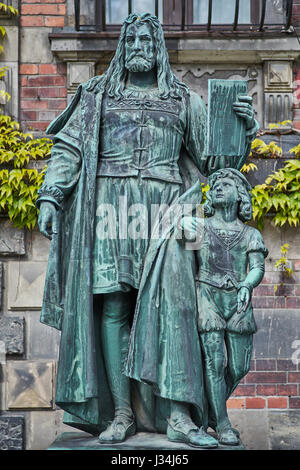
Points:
[(296, 13), (48, 13), (274, 292), (271, 383), (43, 89)]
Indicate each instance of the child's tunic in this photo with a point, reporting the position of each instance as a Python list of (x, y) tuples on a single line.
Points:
[(223, 259)]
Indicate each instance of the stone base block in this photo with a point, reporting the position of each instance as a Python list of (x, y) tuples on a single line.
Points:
[(12, 242), (29, 385), (141, 441), (11, 433), (26, 280), (12, 334)]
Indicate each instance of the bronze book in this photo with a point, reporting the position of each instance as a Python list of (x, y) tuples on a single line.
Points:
[(226, 130)]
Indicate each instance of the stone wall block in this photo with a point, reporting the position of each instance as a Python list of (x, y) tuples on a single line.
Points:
[(12, 334), (77, 73), (40, 246), (12, 433), (44, 428), (277, 331), (2, 375), (284, 430), (278, 88), (42, 341), (12, 240), (26, 284), (291, 235), (254, 437), (29, 385)]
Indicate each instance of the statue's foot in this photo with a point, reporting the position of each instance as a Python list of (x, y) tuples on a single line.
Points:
[(121, 428), (228, 436), (213, 425), (186, 431)]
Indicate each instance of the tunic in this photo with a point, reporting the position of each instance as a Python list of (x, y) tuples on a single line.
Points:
[(138, 176), (223, 264)]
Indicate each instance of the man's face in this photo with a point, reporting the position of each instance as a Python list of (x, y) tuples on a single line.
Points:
[(224, 193), (139, 49)]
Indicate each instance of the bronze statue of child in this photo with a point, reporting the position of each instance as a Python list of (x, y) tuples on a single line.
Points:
[(230, 263)]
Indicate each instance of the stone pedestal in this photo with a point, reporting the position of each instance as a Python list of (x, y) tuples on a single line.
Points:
[(141, 441)]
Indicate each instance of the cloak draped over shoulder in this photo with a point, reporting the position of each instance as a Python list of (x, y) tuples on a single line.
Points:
[(164, 346), (68, 300)]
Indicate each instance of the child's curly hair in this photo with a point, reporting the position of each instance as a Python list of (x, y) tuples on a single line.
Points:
[(243, 188)]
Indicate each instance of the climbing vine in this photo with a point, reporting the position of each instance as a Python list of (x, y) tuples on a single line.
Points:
[(20, 176), (279, 195), (19, 179), (9, 10), (282, 265)]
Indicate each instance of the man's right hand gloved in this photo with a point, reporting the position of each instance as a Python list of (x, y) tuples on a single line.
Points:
[(47, 220)]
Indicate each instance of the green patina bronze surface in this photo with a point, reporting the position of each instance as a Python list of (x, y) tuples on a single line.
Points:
[(201, 300), (229, 141), (139, 442), (135, 137)]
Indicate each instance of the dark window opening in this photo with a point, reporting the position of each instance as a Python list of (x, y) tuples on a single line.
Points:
[(108, 15)]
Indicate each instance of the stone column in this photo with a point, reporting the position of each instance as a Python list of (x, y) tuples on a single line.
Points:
[(9, 60), (278, 90), (2, 374)]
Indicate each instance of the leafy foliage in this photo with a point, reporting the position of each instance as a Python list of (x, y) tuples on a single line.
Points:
[(3, 94), (279, 194), (18, 183), (282, 264), (260, 149), (277, 125), (296, 151), (9, 10), (248, 167)]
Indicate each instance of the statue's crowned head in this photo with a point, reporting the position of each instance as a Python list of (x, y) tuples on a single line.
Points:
[(141, 48), (229, 186)]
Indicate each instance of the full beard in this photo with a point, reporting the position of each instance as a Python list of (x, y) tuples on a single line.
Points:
[(139, 64)]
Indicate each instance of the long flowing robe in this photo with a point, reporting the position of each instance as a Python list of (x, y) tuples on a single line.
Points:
[(164, 347)]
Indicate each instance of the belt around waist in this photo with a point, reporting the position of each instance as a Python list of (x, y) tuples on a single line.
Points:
[(156, 172), (226, 282)]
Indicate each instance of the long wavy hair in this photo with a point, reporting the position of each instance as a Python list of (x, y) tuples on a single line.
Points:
[(114, 78), (243, 189)]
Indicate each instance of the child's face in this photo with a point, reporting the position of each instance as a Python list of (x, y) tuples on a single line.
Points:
[(224, 193)]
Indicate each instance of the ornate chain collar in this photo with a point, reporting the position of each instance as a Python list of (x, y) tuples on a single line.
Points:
[(140, 100)]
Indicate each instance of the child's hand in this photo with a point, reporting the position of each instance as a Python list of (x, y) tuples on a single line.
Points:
[(189, 224), (243, 299)]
